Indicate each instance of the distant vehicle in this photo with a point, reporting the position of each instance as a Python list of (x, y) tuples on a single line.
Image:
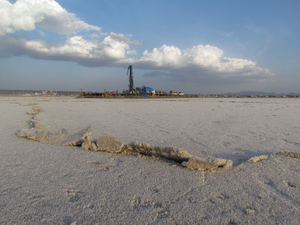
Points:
[(161, 93), (180, 93), (173, 93)]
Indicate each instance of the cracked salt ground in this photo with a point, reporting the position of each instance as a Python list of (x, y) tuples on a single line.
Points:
[(55, 184)]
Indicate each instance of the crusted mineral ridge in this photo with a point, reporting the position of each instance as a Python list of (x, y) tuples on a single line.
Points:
[(35, 110), (178, 155), (109, 144), (112, 145), (87, 143), (78, 138), (289, 154), (28, 133), (55, 139), (197, 163), (41, 135), (256, 159)]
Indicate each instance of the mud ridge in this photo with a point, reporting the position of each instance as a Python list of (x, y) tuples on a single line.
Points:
[(110, 144), (289, 154)]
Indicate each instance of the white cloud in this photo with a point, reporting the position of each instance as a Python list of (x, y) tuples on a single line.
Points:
[(165, 56), (97, 35), (200, 58), (132, 52), (75, 49), (46, 14), (122, 38)]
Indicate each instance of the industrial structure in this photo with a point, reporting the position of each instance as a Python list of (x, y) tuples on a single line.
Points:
[(137, 91), (130, 79)]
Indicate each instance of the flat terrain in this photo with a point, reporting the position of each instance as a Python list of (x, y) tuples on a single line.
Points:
[(48, 184)]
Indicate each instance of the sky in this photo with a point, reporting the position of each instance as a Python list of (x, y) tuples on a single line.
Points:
[(198, 47)]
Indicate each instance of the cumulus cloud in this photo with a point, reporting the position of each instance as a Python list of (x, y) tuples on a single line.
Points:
[(199, 58), (131, 52), (46, 14), (114, 50), (95, 35), (75, 49), (122, 38)]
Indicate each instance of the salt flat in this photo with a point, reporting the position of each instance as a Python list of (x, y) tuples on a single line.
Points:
[(47, 184)]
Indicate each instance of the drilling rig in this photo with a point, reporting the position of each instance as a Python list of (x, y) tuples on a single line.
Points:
[(130, 78)]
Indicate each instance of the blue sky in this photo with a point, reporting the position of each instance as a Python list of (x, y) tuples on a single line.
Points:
[(191, 46)]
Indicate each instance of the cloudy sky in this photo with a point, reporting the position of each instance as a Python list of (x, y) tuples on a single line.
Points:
[(191, 46)]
